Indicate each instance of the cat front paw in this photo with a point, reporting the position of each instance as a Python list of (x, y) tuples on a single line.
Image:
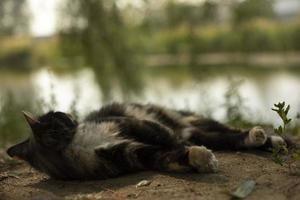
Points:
[(256, 137), (202, 159)]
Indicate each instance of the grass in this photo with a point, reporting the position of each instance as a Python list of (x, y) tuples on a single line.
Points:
[(11, 126)]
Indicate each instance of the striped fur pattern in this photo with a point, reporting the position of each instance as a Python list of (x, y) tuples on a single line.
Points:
[(125, 138)]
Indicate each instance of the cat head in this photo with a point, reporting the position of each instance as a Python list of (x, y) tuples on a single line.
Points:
[(51, 133)]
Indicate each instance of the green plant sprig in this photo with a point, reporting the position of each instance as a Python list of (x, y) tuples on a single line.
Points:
[(282, 112)]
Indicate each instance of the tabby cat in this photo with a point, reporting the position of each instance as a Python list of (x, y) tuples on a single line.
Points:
[(125, 138)]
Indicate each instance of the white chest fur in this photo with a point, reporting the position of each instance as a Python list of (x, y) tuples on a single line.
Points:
[(87, 137)]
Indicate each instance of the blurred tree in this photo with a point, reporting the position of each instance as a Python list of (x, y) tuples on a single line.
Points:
[(194, 14), (191, 16), (249, 9), (182, 13), (95, 30), (209, 11), (14, 17)]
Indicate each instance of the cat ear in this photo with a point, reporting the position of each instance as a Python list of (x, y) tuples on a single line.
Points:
[(18, 151), (30, 119)]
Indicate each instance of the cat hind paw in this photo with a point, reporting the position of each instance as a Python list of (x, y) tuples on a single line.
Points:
[(256, 137), (278, 141)]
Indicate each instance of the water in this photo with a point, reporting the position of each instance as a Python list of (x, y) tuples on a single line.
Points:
[(200, 89)]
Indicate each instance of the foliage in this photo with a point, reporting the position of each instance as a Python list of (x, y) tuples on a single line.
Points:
[(282, 112), (12, 125), (234, 105), (178, 13), (14, 17), (258, 35), (250, 9), (290, 154), (96, 31)]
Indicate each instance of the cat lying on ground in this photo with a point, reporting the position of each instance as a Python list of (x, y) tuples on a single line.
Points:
[(125, 138)]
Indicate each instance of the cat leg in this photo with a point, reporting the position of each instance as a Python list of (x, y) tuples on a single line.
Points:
[(185, 159), (215, 135), (221, 137), (205, 132), (144, 131), (130, 156), (215, 139), (275, 141), (218, 136), (257, 137)]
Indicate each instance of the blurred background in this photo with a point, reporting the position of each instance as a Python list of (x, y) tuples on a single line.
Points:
[(226, 59)]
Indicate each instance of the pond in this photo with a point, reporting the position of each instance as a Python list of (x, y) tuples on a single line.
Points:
[(207, 90), (202, 89)]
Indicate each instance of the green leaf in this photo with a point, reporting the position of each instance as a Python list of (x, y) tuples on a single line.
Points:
[(279, 130), (282, 112), (287, 110)]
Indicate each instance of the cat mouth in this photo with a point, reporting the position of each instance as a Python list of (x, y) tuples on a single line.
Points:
[(17, 150)]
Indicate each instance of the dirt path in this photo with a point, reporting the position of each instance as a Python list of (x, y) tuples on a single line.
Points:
[(19, 181)]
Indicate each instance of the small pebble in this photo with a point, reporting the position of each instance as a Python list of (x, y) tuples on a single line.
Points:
[(143, 183)]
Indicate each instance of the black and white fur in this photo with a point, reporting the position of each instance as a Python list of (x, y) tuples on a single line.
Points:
[(125, 138)]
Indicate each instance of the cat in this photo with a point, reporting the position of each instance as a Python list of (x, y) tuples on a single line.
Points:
[(125, 138)]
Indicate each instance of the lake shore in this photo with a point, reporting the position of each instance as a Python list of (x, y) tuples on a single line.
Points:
[(279, 59)]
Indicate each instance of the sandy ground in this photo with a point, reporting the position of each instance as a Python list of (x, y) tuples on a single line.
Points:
[(274, 182)]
